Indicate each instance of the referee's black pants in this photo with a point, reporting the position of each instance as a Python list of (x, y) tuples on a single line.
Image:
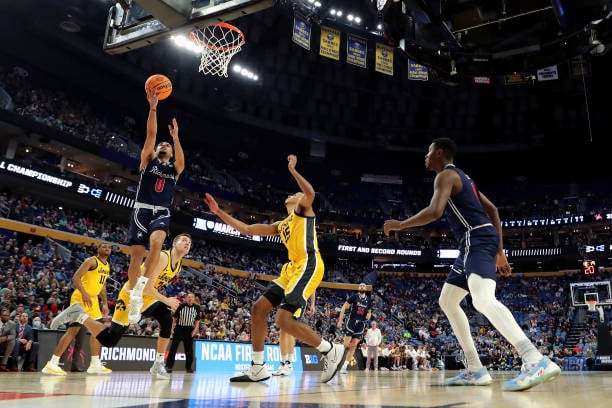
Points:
[(181, 333)]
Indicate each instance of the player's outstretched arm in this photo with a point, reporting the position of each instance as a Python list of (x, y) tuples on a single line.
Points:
[(149, 145), (179, 155), (243, 228), (306, 201)]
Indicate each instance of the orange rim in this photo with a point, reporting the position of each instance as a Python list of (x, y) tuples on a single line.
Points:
[(225, 25)]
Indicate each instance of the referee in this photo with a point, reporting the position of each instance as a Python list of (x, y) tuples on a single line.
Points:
[(185, 325)]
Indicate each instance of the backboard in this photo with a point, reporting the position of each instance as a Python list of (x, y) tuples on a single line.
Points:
[(133, 24), (583, 291)]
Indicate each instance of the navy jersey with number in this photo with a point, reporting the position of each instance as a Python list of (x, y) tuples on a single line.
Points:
[(359, 306), (157, 182), (464, 211)]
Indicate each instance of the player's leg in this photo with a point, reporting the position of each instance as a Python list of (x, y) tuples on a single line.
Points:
[(287, 347), (158, 233), (138, 235), (536, 367), (96, 366), (455, 289), (259, 327), (188, 345), (176, 340), (163, 315), (272, 297), (303, 281)]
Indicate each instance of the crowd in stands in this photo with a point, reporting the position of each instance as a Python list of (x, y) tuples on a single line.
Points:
[(35, 278), (245, 180), (35, 274)]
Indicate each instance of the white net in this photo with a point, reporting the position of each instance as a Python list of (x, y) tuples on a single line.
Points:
[(219, 43), (591, 304)]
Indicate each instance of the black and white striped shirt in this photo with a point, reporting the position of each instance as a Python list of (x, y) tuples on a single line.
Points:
[(187, 315)]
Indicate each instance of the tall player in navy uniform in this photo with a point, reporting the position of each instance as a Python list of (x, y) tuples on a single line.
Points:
[(160, 167), (475, 222), (360, 311)]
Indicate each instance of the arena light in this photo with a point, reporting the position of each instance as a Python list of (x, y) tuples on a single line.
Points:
[(245, 72), (183, 42)]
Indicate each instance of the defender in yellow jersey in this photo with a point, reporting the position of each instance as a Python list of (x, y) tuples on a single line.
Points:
[(89, 283), (169, 271), (158, 306), (298, 280)]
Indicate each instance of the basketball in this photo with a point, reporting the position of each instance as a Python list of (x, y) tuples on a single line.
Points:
[(161, 84)]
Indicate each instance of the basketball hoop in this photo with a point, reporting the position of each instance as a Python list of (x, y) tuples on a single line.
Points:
[(591, 305), (219, 43)]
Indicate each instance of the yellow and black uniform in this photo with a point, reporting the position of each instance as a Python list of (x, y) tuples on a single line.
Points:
[(93, 282), (121, 312), (301, 276)]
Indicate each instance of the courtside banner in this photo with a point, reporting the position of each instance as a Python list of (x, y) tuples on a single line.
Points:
[(330, 43), (132, 353), (384, 59), (417, 72), (356, 51), (236, 357), (301, 32)]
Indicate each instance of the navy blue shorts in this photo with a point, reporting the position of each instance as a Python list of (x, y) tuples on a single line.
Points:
[(144, 221), (477, 252), (354, 328)]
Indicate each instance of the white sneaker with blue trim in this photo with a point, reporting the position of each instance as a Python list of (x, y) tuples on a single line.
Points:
[(533, 374), (480, 377)]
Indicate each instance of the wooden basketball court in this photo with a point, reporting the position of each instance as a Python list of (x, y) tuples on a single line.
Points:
[(355, 389)]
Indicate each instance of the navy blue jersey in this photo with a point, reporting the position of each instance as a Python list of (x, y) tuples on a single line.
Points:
[(359, 306), (464, 211), (157, 182)]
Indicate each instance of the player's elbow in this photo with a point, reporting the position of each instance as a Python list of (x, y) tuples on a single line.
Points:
[(435, 213)]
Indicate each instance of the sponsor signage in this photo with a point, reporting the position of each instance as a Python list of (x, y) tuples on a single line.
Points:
[(379, 251), (221, 228), (541, 222), (80, 188), (236, 357), (597, 248), (132, 353), (535, 252), (448, 253)]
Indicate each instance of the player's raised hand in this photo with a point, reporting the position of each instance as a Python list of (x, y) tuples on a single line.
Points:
[(152, 98), (173, 303), (391, 225), (212, 203), (292, 159), (173, 129)]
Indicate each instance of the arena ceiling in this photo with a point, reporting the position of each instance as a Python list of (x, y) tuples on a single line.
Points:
[(327, 103)]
